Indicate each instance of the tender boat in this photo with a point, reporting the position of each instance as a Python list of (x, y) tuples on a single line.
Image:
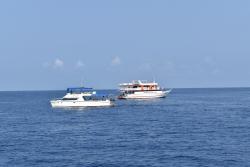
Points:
[(82, 97), (142, 90)]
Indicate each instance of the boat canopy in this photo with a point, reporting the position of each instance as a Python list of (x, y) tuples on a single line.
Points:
[(78, 89)]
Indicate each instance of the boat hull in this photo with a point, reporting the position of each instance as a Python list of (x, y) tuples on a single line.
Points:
[(61, 103), (145, 95)]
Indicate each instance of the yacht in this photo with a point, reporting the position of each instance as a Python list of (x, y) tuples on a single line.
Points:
[(140, 89), (82, 97)]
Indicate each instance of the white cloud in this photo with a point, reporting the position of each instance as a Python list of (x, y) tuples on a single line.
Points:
[(46, 64), (116, 61), (216, 71), (79, 64), (209, 61), (58, 63)]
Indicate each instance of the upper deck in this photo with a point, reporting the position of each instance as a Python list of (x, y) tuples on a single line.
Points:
[(139, 85), (139, 82)]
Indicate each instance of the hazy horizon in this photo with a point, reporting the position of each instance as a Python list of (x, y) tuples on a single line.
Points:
[(52, 45), (41, 90)]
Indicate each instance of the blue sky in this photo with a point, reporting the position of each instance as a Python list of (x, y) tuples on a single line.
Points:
[(53, 44)]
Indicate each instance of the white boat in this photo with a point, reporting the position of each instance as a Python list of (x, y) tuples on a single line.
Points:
[(81, 97), (142, 90)]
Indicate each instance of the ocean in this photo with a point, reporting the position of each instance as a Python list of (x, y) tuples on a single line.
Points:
[(191, 127)]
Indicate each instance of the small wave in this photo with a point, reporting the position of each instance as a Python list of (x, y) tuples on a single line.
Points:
[(7, 102)]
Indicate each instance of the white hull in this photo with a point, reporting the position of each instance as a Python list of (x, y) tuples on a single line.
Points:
[(146, 95), (93, 103)]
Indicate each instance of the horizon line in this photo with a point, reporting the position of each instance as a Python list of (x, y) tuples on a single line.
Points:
[(44, 90)]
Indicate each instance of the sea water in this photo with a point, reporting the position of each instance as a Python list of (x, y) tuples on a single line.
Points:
[(191, 127)]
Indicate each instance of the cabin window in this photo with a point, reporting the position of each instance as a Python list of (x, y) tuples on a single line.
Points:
[(87, 98), (69, 98)]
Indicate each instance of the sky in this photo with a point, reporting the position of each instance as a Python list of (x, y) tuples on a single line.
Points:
[(55, 44)]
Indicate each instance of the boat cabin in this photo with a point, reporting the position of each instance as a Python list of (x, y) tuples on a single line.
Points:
[(139, 86)]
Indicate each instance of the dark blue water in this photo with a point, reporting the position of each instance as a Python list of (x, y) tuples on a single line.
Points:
[(191, 127)]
